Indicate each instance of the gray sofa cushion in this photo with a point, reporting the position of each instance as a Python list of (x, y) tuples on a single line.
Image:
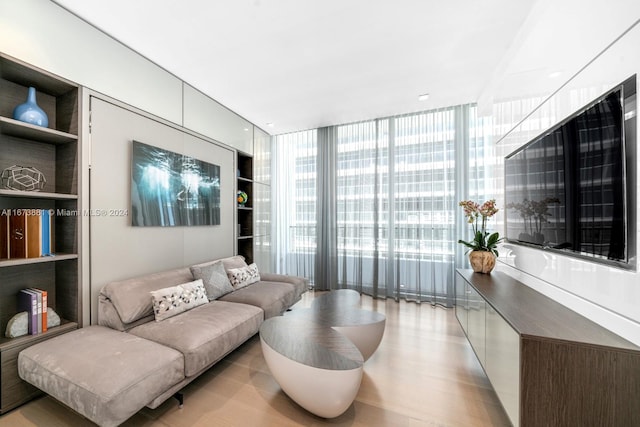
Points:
[(272, 297), (300, 283), (132, 299), (204, 334), (103, 374), (214, 277)]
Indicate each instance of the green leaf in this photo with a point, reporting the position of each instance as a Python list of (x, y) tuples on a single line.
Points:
[(493, 239), (467, 244)]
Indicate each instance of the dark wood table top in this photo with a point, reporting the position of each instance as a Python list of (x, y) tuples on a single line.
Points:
[(310, 343), (339, 299), (337, 316)]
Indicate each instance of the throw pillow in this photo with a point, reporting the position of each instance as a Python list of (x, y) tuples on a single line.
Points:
[(243, 276), (174, 300), (236, 261), (214, 278)]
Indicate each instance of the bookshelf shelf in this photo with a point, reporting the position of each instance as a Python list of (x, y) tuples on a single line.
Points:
[(19, 342), (15, 128), (26, 261), (37, 195)]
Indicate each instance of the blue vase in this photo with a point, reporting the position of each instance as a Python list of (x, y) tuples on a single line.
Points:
[(30, 112)]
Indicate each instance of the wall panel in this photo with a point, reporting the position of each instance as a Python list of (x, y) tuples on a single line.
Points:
[(203, 115), (120, 251)]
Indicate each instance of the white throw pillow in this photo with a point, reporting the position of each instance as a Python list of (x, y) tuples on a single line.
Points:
[(174, 300), (243, 276)]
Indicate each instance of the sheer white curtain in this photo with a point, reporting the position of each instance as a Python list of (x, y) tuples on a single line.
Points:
[(294, 211), (386, 202)]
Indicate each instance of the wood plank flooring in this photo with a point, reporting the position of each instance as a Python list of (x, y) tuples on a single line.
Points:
[(423, 374)]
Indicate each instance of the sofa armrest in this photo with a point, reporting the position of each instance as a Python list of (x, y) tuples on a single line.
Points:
[(294, 280), (301, 284), (108, 315)]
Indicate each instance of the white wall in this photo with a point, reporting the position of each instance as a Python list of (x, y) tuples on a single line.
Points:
[(609, 296)]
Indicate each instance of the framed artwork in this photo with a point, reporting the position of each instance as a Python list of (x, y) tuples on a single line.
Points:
[(170, 189)]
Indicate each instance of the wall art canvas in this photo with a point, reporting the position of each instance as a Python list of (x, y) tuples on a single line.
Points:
[(170, 189)]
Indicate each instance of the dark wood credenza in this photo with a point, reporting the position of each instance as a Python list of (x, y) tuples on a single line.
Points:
[(548, 365)]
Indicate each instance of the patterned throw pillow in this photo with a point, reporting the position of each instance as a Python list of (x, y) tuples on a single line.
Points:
[(243, 276), (174, 300), (214, 277)]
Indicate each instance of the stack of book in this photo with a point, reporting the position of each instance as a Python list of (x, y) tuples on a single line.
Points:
[(34, 302), (25, 233)]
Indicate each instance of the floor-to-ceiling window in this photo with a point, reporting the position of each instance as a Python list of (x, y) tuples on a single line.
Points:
[(373, 205), (294, 194)]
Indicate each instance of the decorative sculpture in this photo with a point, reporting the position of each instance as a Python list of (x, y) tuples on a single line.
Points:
[(24, 178)]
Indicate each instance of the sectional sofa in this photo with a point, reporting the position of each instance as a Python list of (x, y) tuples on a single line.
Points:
[(155, 335)]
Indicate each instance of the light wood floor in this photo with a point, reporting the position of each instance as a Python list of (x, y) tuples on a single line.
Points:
[(423, 374)]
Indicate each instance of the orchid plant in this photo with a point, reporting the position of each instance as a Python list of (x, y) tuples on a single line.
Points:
[(477, 215)]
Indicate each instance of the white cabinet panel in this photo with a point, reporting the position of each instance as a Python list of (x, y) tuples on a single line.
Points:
[(476, 323), (462, 306), (502, 363)]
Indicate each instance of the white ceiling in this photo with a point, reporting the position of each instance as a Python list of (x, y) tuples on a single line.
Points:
[(302, 64)]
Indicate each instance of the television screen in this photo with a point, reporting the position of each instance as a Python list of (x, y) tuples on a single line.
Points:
[(566, 189), (170, 189)]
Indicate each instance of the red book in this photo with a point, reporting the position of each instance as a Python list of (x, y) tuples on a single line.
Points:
[(4, 237), (17, 236)]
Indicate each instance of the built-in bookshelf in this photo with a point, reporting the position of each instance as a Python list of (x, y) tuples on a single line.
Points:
[(55, 152), (244, 233)]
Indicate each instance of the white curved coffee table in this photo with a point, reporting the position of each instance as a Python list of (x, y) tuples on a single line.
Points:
[(317, 367), (317, 354)]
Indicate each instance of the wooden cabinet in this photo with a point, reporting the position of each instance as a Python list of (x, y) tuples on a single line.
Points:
[(245, 211), (548, 365), (55, 152)]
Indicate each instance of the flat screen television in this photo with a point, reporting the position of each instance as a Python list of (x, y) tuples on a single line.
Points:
[(572, 189), (170, 189)]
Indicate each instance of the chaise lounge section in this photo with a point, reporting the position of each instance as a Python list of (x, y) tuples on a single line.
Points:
[(110, 371)]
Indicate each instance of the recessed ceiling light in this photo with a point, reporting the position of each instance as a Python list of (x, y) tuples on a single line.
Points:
[(246, 129), (555, 74), (423, 97), (270, 124)]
